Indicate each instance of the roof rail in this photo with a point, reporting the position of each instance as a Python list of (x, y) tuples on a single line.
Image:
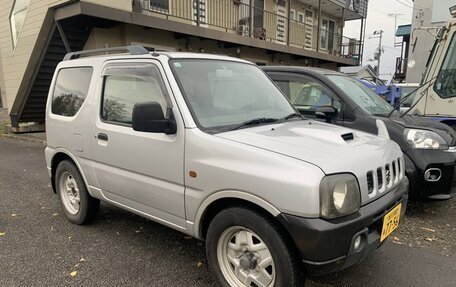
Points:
[(133, 50)]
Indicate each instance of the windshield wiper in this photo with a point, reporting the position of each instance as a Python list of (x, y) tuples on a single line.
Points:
[(257, 121), (291, 116)]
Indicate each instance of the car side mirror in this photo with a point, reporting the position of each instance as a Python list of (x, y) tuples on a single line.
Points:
[(149, 117), (326, 112)]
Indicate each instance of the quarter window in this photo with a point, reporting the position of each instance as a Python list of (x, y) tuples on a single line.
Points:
[(70, 90), (445, 85), (126, 86), (17, 18)]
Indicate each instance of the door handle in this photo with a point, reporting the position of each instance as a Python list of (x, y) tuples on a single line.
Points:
[(102, 136)]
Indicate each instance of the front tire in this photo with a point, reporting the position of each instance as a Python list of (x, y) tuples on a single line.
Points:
[(79, 207), (246, 248)]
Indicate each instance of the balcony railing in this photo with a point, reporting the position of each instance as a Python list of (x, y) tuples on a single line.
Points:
[(239, 17)]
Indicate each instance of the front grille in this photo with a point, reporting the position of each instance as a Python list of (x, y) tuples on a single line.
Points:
[(370, 182), (384, 178), (380, 178), (387, 174)]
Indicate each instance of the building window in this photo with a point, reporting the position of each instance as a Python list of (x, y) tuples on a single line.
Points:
[(17, 18), (70, 90), (292, 14), (300, 17), (328, 28), (159, 5)]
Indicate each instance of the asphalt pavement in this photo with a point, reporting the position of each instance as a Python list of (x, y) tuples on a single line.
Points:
[(39, 247)]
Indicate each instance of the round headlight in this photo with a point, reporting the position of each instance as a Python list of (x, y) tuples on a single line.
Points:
[(339, 196)]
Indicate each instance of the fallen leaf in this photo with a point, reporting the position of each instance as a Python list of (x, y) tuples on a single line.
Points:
[(82, 259), (74, 273), (14, 215), (42, 207), (69, 238), (55, 214), (429, 239), (2, 233), (138, 231), (199, 264), (396, 238), (428, 229)]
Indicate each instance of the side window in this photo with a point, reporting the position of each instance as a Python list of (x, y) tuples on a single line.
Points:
[(445, 85), (126, 86), (307, 95), (70, 90)]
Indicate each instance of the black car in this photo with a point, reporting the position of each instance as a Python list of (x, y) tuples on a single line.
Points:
[(429, 147)]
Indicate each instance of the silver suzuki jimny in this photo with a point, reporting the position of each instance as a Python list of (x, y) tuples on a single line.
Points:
[(209, 146)]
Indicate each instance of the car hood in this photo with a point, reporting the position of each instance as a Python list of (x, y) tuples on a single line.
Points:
[(327, 146), (414, 122)]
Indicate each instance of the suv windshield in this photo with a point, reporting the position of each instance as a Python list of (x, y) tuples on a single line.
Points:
[(224, 95), (362, 95)]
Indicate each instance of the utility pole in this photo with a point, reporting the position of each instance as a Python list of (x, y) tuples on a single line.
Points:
[(380, 49), (395, 15)]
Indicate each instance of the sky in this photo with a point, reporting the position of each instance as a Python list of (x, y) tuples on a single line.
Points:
[(378, 19)]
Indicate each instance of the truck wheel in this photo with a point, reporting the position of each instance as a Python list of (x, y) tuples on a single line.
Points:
[(78, 205), (245, 248)]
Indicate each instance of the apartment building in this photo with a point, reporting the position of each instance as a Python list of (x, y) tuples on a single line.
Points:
[(36, 34)]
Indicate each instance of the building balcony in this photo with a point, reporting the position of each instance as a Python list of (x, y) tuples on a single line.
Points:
[(290, 23)]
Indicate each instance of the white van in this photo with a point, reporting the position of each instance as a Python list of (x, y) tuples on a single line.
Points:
[(209, 146)]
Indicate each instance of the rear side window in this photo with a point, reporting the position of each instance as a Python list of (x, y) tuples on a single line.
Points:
[(70, 90)]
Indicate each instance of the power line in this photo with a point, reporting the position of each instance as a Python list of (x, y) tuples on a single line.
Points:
[(405, 4)]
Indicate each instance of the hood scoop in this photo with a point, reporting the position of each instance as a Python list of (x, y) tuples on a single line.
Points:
[(348, 137)]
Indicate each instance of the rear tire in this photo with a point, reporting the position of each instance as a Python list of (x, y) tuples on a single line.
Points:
[(246, 248), (79, 207)]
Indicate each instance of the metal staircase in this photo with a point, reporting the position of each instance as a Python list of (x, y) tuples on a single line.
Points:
[(31, 107)]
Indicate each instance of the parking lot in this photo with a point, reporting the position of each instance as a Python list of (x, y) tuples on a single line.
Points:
[(38, 246)]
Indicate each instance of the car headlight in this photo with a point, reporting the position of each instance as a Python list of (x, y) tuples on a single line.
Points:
[(423, 139), (339, 196)]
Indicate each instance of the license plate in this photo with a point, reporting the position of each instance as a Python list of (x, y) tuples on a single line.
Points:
[(391, 222)]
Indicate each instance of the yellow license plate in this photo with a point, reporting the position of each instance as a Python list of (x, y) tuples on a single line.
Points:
[(391, 222)]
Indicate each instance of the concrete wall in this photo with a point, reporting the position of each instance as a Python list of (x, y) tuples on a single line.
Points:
[(422, 42)]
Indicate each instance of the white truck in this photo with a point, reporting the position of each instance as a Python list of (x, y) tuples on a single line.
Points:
[(437, 96)]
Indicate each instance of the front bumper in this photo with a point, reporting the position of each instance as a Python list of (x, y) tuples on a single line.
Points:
[(417, 162), (328, 246)]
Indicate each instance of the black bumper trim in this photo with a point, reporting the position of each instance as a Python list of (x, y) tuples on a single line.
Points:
[(327, 246)]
